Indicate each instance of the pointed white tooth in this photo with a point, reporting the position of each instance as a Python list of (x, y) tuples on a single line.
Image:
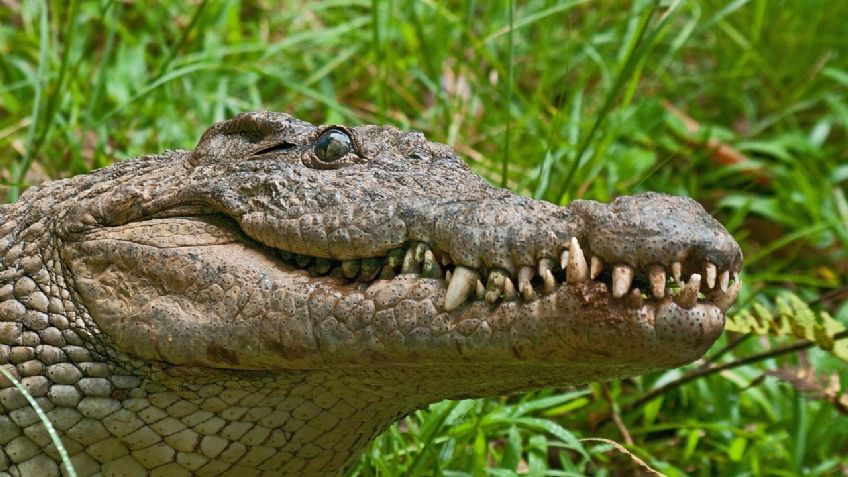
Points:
[(676, 272), (596, 267), (448, 277), (525, 274), (723, 300), (622, 277), (688, 296), (710, 270), (550, 282), (577, 270), (563, 259), (509, 292), (480, 290), (735, 276), (656, 275), (724, 280), (462, 284)]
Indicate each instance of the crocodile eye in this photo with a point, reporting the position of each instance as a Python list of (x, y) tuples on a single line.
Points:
[(333, 145)]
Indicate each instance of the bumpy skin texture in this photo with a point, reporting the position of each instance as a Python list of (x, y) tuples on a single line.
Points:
[(269, 302)]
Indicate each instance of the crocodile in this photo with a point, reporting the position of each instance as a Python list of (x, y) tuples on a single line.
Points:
[(269, 302)]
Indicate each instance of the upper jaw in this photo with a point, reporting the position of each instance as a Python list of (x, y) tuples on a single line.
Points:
[(506, 247)]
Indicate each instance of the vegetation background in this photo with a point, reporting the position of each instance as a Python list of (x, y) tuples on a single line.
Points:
[(742, 105)]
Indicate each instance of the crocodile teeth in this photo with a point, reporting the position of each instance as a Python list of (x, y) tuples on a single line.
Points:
[(688, 296), (448, 277), (350, 268), (724, 280), (410, 265), (370, 268), (395, 257), (622, 277), (723, 300), (302, 261), (431, 268), (596, 266), (495, 285), (563, 259), (676, 272), (656, 274), (577, 270), (462, 284), (388, 271), (634, 298), (546, 264), (509, 292), (323, 265), (550, 282), (525, 274), (479, 290), (710, 272), (420, 250)]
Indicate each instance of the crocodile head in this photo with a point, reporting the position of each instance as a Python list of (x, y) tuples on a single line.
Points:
[(287, 291), (277, 244)]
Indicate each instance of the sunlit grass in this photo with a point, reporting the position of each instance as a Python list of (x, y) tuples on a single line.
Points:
[(572, 102)]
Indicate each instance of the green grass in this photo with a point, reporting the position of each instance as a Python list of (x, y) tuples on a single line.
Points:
[(567, 103)]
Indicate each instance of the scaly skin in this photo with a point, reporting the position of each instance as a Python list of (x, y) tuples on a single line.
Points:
[(269, 302)]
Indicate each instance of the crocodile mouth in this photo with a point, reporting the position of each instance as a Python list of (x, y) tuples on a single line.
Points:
[(685, 283)]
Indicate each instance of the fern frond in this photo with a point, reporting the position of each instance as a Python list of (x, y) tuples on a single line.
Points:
[(789, 315)]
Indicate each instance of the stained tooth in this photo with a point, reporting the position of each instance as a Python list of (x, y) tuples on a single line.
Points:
[(656, 274), (688, 296), (323, 265), (462, 284), (395, 257), (350, 268), (634, 298), (724, 280), (546, 264), (676, 271), (431, 268), (446, 260), (577, 270), (550, 282), (622, 277), (302, 261), (509, 292), (723, 300), (388, 272), (495, 285), (410, 265), (370, 268), (448, 277), (479, 290), (525, 274), (420, 250), (596, 267), (710, 270)]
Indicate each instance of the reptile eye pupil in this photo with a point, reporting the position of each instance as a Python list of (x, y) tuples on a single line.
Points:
[(333, 145)]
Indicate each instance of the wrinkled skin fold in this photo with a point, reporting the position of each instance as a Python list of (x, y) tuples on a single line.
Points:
[(270, 301)]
